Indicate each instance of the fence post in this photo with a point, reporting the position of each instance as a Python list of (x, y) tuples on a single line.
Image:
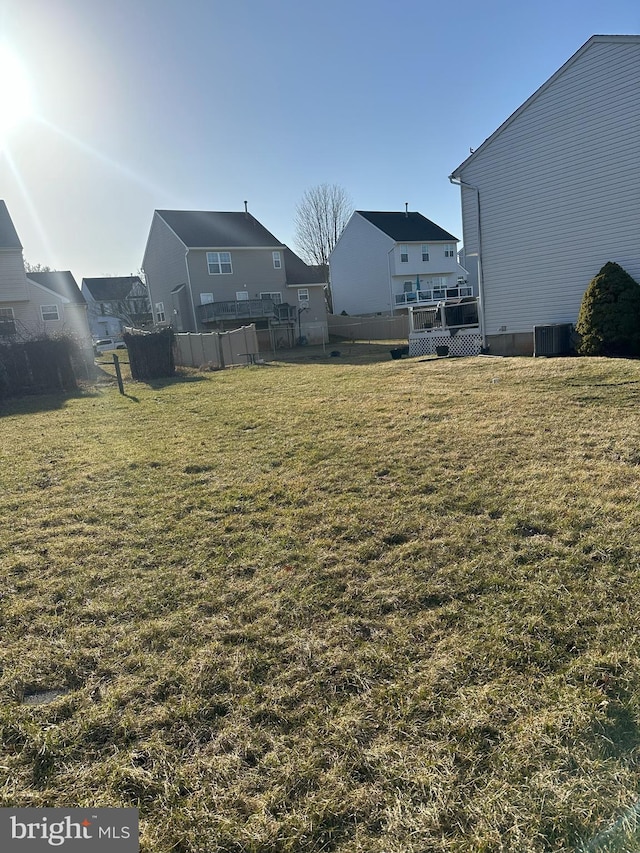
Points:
[(116, 364)]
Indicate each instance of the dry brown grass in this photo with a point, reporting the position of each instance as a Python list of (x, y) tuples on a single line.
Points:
[(347, 605)]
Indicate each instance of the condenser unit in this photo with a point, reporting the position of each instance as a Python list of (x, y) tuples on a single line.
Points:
[(554, 339)]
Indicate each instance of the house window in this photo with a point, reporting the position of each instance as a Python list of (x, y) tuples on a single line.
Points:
[(303, 294), (425, 253), (206, 298), (408, 287), (274, 297), (160, 318), (449, 251), (219, 263), (49, 312), (277, 260), (404, 254), (242, 295), (7, 322)]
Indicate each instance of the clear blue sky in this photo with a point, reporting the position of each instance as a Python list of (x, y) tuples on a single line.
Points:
[(201, 104)]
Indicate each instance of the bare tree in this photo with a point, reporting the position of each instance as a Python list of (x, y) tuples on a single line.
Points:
[(320, 220), (29, 267)]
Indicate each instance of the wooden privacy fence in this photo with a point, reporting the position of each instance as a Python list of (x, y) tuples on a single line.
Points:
[(217, 349), (369, 327)]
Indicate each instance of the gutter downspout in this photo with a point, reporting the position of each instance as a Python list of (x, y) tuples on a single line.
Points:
[(462, 184), (193, 307)]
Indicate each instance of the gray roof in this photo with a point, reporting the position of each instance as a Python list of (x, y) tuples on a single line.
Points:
[(407, 227), (63, 283), (111, 288), (206, 229), (297, 272), (8, 235)]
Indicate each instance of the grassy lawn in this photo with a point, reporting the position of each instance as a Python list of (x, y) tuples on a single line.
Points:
[(346, 604)]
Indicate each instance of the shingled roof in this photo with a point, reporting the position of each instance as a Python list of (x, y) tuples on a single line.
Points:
[(111, 288), (8, 235), (407, 227), (205, 229), (61, 282)]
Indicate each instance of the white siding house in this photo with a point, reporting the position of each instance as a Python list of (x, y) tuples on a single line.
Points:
[(388, 261), (554, 193)]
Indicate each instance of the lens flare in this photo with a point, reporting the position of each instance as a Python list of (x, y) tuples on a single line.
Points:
[(16, 101)]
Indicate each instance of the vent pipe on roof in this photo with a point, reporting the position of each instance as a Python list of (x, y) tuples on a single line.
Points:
[(406, 209), (246, 209)]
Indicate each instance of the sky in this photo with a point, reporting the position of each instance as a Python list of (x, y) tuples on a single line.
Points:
[(137, 105)]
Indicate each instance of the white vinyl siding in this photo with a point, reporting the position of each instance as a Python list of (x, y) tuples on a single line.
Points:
[(359, 267), (559, 190)]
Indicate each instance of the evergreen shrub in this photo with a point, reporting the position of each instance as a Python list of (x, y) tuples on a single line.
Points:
[(609, 318)]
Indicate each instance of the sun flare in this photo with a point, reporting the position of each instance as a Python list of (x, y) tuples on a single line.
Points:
[(16, 101)]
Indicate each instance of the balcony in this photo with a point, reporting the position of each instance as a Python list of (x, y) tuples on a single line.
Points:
[(246, 309), (422, 297)]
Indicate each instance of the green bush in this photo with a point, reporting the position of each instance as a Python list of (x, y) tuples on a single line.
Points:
[(609, 318)]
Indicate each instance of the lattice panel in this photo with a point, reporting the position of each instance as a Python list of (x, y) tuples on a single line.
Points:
[(458, 345)]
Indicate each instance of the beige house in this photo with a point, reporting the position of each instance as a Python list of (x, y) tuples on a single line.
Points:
[(211, 270), (36, 304)]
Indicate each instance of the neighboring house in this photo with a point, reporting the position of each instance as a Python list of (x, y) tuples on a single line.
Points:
[(385, 262), (36, 303), (210, 270), (554, 193), (115, 302)]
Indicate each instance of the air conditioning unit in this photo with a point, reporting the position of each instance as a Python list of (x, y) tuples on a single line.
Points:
[(554, 339)]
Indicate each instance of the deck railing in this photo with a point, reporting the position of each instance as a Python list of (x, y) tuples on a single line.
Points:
[(435, 295), (443, 316), (245, 309)]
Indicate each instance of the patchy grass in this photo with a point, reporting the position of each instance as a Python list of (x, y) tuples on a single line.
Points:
[(333, 606)]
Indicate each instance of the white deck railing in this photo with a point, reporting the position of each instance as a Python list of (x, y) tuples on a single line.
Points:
[(433, 296)]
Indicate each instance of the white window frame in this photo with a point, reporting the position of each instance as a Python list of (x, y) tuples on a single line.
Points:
[(242, 295), (49, 312), (277, 260), (425, 252), (159, 312), (274, 296), (449, 251), (217, 262), (404, 253), (206, 298), (7, 315), (303, 294), (408, 286)]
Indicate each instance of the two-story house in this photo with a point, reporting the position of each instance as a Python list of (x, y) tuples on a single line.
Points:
[(36, 303), (387, 261), (212, 270), (114, 302)]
